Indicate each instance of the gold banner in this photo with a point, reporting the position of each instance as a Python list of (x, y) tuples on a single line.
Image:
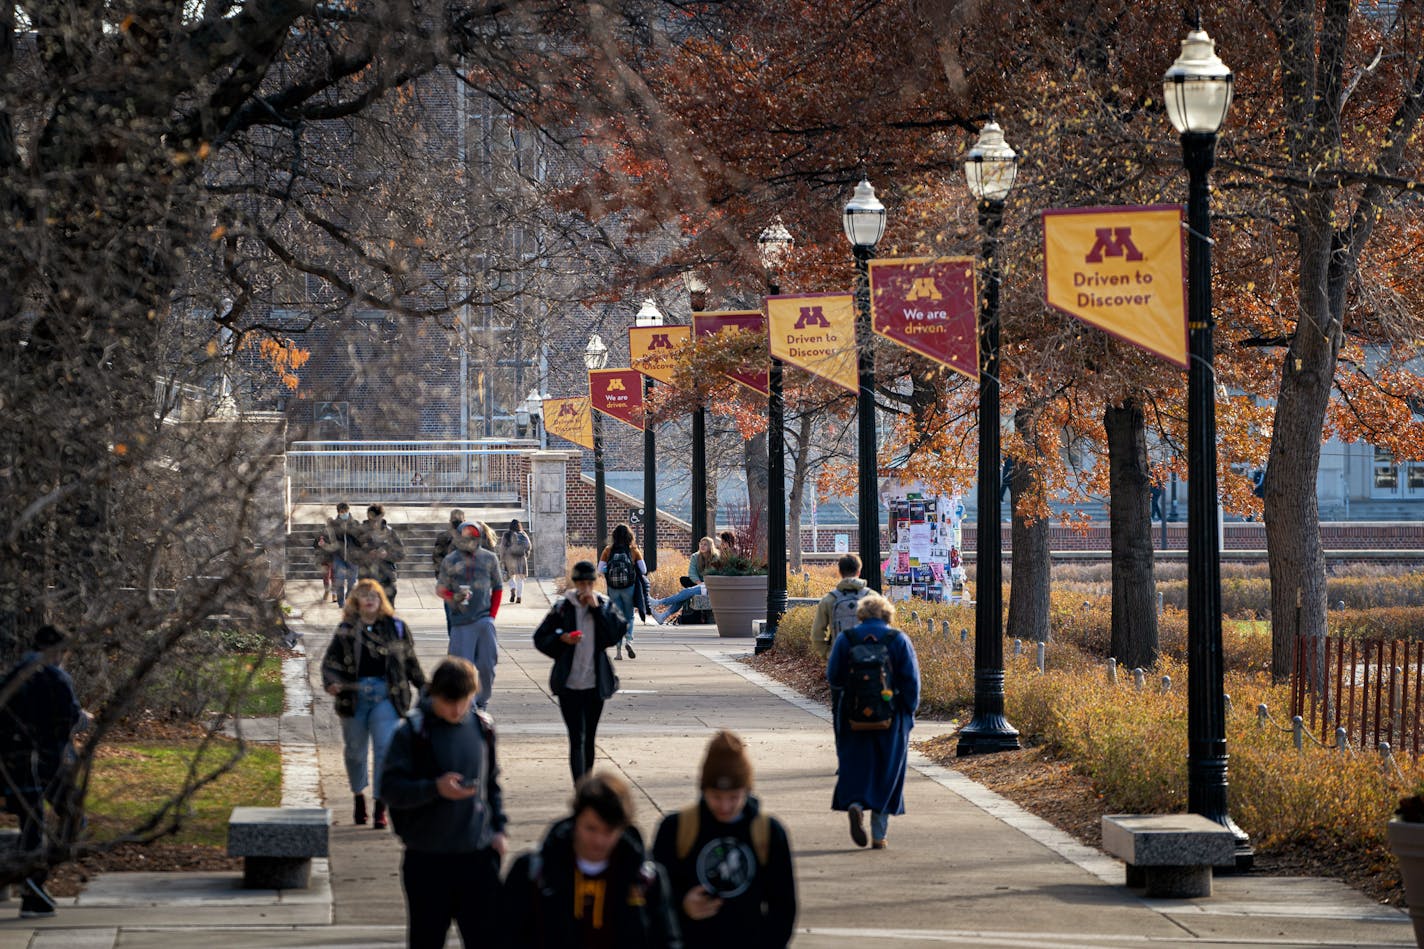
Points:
[(815, 332), (1123, 271), (652, 349), (570, 419)]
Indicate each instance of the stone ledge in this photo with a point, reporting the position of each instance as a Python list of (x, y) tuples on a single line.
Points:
[(1170, 854)]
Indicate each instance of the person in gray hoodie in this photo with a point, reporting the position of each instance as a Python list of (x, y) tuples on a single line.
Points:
[(441, 782), (577, 633)]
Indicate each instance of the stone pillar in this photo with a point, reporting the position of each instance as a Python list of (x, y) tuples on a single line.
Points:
[(548, 512)]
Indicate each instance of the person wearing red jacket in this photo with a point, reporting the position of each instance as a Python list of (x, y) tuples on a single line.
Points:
[(470, 582)]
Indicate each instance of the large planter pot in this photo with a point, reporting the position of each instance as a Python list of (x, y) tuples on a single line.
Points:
[(737, 602), (1407, 841)]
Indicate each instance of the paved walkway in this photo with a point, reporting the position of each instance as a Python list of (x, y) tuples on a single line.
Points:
[(965, 868)]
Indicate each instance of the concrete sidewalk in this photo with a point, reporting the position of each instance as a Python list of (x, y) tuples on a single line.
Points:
[(965, 867)]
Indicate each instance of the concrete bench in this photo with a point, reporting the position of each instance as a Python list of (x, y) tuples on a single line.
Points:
[(277, 844), (1170, 854)]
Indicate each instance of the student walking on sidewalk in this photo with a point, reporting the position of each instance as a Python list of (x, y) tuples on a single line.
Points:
[(514, 548), (873, 665), (442, 784), (589, 885), (470, 583), (370, 668), (576, 634), (728, 862), (621, 564)]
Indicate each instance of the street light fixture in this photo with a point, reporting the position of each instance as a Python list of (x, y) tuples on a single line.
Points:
[(649, 315), (864, 222), (990, 170), (773, 246), (697, 301), (595, 356), (1197, 90)]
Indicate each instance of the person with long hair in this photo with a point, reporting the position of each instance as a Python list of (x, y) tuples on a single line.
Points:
[(697, 568), (622, 566), (369, 667), (514, 547), (576, 634)]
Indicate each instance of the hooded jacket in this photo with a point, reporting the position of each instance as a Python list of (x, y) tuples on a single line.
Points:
[(607, 631), (539, 897)]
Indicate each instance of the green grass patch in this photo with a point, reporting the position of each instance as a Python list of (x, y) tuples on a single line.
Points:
[(263, 695), (132, 780)]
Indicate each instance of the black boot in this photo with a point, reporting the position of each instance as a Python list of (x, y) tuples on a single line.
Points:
[(359, 815), (379, 821)]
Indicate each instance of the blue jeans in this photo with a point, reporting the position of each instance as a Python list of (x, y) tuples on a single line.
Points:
[(375, 723), (476, 642), (673, 603), (343, 578), (623, 599), (879, 824)]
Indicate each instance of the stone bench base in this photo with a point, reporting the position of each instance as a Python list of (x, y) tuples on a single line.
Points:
[(277, 844), (1171, 855)]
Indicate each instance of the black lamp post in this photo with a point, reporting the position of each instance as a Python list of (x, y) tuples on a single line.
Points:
[(864, 222), (697, 299), (595, 356), (1197, 92), (773, 245), (649, 315), (990, 170)]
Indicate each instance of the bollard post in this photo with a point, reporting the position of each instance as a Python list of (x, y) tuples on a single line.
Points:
[(929, 626), (1386, 757), (944, 628), (1159, 603), (1042, 656), (1298, 732), (1166, 684), (1112, 672), (964, 634), (1342, 739), (1139, 678), (1263, 715), (914, 616), (1018, 648), (1226, 698)]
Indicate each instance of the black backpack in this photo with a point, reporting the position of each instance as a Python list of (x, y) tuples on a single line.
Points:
[(620, 569), (868, 703), (28, 720)]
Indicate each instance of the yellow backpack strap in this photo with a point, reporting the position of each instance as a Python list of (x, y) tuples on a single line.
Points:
[(761, 838), (687, 821)]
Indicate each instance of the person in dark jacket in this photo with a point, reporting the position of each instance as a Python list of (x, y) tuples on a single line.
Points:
[(381, 551), (577, 634), (442, 784), (369, 667), (589, 885), (728, 863), (443, 545), (341, 539), (871, 776), (37, 721)]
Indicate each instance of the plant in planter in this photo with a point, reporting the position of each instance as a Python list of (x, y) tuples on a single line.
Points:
[(1406, 840), (736, 585)]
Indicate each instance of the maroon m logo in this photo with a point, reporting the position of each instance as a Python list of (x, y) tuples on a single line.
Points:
[(812, 316), (1113, 242)]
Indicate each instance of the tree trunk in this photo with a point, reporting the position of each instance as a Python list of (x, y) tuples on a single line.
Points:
[(1030, 556), (758, 490), (800, 472), (1134, 595)]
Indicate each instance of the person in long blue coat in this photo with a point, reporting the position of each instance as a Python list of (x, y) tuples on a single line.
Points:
[(872, 763)]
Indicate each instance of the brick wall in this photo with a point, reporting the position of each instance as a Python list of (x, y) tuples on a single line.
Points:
[(673, 533)]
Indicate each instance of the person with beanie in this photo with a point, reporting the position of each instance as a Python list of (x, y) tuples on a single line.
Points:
[(729, 864), (471, 584), (577, 633)]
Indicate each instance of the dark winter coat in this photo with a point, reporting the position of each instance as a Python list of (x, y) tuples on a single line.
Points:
[(539, 897), (381, 551), (872, 763), (425, 747), (607, 631), (343, 658), (443, 545), (763, 914), (36, 723)]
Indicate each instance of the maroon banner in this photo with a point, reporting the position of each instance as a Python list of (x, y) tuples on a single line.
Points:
[(754, 377), (618, 393), (929, 306)]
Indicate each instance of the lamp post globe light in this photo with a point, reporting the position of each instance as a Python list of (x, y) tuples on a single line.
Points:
[(989, 169), (864, 222), (1197, 90), (595, 356), (649, 315), (773, 245), (697, 301)]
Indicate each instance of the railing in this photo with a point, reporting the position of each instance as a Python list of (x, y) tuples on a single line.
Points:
[(486, 471), (1367, 691)]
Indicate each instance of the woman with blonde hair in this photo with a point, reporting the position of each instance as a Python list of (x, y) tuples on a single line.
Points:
[(369, 667), (697, 568), (874, 666)]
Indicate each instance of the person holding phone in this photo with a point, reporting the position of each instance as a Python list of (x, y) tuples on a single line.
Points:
[(576, 634)]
